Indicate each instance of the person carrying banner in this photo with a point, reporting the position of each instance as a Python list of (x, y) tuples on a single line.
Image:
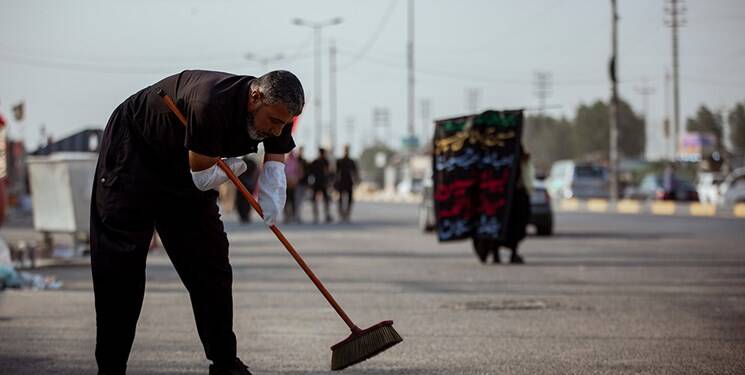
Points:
[(519, 217)]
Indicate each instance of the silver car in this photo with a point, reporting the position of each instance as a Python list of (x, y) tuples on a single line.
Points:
[(570, 179)]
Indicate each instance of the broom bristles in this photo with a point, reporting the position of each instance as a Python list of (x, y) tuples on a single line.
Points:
[(367, 344)]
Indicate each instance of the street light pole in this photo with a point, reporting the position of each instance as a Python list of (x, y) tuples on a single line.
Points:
[(332, 96), (264, 61), (317, 26), (410, 69)]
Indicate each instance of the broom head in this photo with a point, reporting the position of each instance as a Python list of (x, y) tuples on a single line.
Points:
[(364, 344)]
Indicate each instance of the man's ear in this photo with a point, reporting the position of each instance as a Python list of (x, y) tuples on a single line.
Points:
[(256, 98)]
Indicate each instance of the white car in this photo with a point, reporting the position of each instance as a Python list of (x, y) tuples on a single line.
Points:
[(708, 187), (569, 179)]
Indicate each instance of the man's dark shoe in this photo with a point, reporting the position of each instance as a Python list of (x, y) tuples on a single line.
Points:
[(235, 368)]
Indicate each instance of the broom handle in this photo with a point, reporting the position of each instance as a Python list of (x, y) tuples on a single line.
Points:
[(249, 197)]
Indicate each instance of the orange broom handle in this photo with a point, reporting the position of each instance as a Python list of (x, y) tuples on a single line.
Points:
[(238, 184)]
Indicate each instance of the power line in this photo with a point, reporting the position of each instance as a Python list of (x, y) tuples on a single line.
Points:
[(483, 78), (124, 68), (373, 38)]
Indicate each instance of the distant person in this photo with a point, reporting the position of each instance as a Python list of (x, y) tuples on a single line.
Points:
[(294, 172), (519, 217), (669, 181), (346, 177), (249, 179), (302, 185), (318, 179)]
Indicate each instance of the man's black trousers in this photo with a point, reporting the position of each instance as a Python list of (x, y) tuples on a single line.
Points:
[(134, 192)]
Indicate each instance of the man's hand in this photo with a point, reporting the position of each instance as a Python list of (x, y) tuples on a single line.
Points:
[(272, 190), (212, 177)]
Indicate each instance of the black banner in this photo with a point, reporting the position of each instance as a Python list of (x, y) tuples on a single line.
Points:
[(475, 162)]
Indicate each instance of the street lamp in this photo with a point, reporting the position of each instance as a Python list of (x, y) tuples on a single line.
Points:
[(317, 26), (264, 60)]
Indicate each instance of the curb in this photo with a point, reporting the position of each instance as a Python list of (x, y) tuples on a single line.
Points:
[(384, 197), (624, 206), (659, 208)]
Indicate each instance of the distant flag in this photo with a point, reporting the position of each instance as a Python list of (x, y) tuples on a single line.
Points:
[(18, 111)]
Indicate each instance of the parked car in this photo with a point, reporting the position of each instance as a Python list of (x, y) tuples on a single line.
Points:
[(542, 216), (569, 179), (732, 189), (707, 187), (652, 187), (427, 219)]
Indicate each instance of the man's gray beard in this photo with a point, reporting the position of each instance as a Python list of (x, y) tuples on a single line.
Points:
[(254, 134)]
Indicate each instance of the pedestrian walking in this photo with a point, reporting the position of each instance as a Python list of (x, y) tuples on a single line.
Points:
[(249, 179), (302, 187), (294, 172), (318, 179), (155, 173), (346, 178)]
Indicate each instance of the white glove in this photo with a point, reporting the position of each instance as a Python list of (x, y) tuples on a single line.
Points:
[(213, 177), (272, 190)]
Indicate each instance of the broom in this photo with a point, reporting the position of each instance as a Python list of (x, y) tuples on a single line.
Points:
[(361, 343)]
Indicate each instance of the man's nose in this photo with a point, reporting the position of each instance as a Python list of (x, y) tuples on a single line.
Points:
[(277, 131)]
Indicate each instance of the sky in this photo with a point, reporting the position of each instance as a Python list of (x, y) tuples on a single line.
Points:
[(72, 62)]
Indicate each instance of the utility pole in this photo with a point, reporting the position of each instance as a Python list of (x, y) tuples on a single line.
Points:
[(410, 64), (350, 132), (613, 147), (317, 26), (332, 95), (675, 9), (381, 119), (645, 90), (425, 106), (542, 90), (669, 145), (472, 100)]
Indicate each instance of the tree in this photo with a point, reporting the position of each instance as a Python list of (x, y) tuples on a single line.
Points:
[(548, 139), (737, 127), (707, 121), (592, 131)]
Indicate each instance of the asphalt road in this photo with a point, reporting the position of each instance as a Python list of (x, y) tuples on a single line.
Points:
[(609, 293)]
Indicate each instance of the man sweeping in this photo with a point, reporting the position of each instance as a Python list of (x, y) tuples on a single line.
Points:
[(155, 174)]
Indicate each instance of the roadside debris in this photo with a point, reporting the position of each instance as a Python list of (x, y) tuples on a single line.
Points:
[(11, 278)]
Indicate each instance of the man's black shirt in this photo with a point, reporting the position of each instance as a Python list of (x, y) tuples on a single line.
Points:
[(215, 105)]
